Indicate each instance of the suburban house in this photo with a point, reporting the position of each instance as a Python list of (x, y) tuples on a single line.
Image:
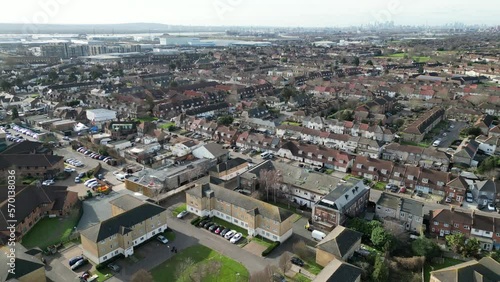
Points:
[(28, 265), (257, 217), (486, 269), (466, 154), (229, 169), (455, 189), (338, 270), (347, 199), (339, 244), (373, 169), (443, 222), (184, 148), (490, 145), (212, 151), (32, 204), (416, 131), (483, 228), (406, 214), (133, 222), (486, 191)]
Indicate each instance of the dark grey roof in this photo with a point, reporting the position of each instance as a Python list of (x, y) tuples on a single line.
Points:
[(30, 197), (25, 264), (24, 147), (229, 164), (487, 186), (339, 271), (28, 160), (412, 207), (248, 203), (122, 222), (339, 241), (215, 149)]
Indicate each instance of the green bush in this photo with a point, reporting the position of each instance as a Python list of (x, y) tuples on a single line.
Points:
[(270, 248), (198, 220), (100, 267)]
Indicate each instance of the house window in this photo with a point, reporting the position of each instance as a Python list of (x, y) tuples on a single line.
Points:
[(359, 165), (105, 258), (402, 214), (466, 227), (436, 223), (456, 225), (433, 229), (487, 233), (111, 246), (446, 225), (425, 180)]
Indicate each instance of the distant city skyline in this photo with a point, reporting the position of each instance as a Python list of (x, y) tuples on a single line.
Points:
[(278, 13)]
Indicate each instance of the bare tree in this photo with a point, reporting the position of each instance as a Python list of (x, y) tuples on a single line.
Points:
[(142, 275), (300, 249), (269, 181), (183, 267), (264, 275), (285, 263)]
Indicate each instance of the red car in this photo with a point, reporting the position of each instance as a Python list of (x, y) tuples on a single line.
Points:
[(219, 229)]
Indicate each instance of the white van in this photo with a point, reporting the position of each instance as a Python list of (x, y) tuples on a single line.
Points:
[(436, 143), (265, 155), (120, 177), (318, 235), (89, 180)]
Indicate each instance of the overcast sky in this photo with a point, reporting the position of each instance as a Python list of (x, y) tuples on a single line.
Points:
[(305, 13)]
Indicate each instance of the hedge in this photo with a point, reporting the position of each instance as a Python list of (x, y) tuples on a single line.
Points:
[(270, 248)]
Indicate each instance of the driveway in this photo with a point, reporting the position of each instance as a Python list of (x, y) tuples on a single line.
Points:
[(452, 135)]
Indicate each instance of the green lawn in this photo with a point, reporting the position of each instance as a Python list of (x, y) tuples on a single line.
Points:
[(262, 241), (104, 274), (380, 186), (167, 125), (141, 119), (290, 123), (230, 225), (229, 271), (434, 266), (178, 209), (299, 277), (421, 144), (312, 266), (50, 231)]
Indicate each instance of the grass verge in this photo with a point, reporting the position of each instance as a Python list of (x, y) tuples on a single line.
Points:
[(179, 209), (51, 231), (194, 261)]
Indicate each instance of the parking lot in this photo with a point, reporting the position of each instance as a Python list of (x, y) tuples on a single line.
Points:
[(451, 133)]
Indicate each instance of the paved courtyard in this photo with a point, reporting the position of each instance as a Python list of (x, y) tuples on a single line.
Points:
[(254, 248)]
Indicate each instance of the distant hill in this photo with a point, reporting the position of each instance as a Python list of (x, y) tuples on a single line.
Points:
[(102, 28)]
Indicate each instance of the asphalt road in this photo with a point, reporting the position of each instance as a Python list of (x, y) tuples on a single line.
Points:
[(452, 135)]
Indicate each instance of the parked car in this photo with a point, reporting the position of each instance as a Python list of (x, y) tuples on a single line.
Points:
[(278, 277), (114, 267), (182, 214), (48, 182), (469, 198), (219, 229), (420, 193), (162, 239), (230, 234), (223, 232), (208, 224), (81, 175), (213, 227), (203, 222), (74, 260), (70, 170), (79, 264), (236, 238), (394, 189), (297, 261), (448, 200), (77, 179)]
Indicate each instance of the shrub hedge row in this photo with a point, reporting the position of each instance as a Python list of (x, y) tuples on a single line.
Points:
[(270, 248)]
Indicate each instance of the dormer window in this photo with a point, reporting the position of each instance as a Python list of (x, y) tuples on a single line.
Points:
[(440, 183), (309, 154), (371, 168), (425, 180), (410, 177), (300, 152), (320, 156), (384, 171), (359, 166), (330, 159), (397, 174)]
